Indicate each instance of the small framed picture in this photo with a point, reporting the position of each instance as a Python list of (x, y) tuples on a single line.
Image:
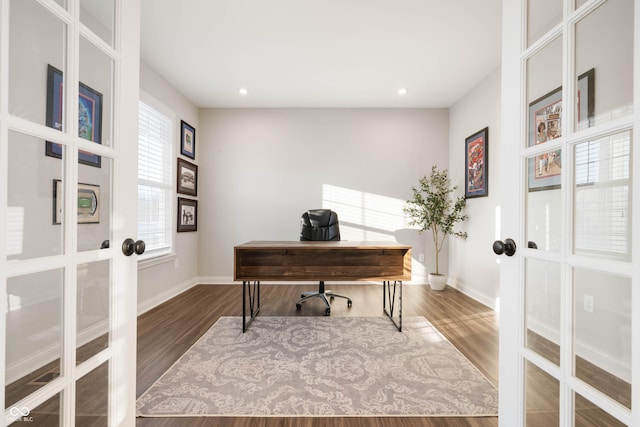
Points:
[(187, 215), (546, 123), (89, 116), (88, 203), (477, 164), (187, 140), (187, 178)]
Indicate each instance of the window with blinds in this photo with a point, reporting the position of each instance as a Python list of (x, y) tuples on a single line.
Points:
[(602, 197), (155, 181)]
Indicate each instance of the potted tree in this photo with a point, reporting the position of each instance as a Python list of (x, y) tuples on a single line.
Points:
[(433, 208)]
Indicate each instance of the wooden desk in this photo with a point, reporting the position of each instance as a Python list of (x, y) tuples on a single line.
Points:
[(315, 261)]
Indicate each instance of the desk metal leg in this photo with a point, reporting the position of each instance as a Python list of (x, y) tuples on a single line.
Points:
[(386, 292), (254, 302)]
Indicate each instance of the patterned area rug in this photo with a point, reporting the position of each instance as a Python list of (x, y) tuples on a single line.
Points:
[(321, 366)]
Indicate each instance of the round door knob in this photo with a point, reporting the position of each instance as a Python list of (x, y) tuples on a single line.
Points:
[(140, 246), (130, 246), (508, 247)]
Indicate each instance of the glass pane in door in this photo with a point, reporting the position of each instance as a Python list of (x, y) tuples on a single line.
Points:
[(94, 203), (602, 197), (542, 397), (580, 3), (37, 40), (96, 97), (47, 414), (542, 299), (608, 54), (589, 415), (94, 281), (544, 201), (98, 16), (544, 94), (602, 332), (92, 404), (33, 333), (34, 227), (542, 16)]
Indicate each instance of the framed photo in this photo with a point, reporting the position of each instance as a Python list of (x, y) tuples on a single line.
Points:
[(187, 215), (187, 178), (187, 140), (477, 164), (88, 203), (543, 171), (89, 116), (545, 124)]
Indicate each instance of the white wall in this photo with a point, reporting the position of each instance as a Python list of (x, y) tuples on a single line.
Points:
[(262, 168), (160, 282), (472, 263)]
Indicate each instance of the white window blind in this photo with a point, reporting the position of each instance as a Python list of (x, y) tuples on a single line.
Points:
[(602, 197), (155, 181)]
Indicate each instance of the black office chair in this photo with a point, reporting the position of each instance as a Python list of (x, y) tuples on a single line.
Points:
[(320, 224)]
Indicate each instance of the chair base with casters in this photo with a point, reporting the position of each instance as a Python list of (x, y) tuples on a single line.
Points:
[(324, 295)]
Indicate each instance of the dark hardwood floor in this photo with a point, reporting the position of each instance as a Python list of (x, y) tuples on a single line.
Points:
[(168, 330)]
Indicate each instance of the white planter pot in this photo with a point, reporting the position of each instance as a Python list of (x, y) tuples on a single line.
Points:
[(437, 281)]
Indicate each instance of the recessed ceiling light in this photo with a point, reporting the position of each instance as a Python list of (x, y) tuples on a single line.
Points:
[(243, 91), (402, 91)]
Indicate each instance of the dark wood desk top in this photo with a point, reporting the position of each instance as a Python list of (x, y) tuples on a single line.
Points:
[(320, 260), (337, 244)]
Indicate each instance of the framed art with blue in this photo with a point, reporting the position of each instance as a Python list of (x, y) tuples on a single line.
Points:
[(187, 140), (89, 116)]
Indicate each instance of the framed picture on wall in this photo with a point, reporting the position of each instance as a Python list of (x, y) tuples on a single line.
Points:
[(88, 203), (477, 164), (187, 178), (187, 215), (89, 116), (543, 171), (187, 140), (546, 123)]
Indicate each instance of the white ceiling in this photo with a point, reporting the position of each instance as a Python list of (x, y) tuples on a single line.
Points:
[(322, 53)]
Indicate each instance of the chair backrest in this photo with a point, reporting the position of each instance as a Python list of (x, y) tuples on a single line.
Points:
[(319, 224)]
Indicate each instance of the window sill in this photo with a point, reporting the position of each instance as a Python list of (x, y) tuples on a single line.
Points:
[(152, 262)]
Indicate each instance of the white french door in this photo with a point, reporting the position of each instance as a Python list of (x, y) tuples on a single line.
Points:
[(570, 295), (68, 155)]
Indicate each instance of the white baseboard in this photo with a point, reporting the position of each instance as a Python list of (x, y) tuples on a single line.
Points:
[(472, 293), (216, 280), (166, 295), (23, 367), (586, 352), (604, 361)]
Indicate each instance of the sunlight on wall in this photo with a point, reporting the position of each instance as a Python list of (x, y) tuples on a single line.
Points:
[(15, 303), (547, 220), (365, 216), (15, 230)]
